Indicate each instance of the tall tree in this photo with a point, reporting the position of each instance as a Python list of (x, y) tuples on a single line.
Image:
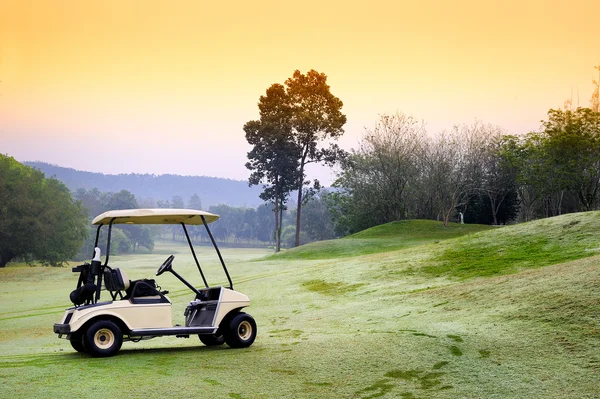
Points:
[(316, 119), (273, 158)]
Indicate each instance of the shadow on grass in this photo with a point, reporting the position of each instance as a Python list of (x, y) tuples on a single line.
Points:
[(74, 358)]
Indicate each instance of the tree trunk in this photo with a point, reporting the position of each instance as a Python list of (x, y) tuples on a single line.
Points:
[(494, 208), (299, 207), (280, 226), (298, 213), (277, 222)]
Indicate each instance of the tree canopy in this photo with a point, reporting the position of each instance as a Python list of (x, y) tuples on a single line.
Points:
[(39, 220)]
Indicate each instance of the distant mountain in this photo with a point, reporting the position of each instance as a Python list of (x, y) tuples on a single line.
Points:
[(211, 190)]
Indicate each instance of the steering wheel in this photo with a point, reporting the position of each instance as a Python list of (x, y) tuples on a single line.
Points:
[(166, 266)]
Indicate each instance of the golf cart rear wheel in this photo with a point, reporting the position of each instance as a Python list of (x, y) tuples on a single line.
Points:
[(240, 331), (103, 338), (76, 340), (212, 340)]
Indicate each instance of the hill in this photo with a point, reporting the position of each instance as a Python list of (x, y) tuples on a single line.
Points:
[(428, 247), (212, 190), (384, 238)]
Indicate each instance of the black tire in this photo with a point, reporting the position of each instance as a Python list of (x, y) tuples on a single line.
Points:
[(240, 330), (212, 340), (103, 338), (77, 342)]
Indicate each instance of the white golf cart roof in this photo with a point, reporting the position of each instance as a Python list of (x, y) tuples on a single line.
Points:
[(155, 216)]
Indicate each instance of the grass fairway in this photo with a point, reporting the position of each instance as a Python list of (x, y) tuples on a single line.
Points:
[(517, 316)]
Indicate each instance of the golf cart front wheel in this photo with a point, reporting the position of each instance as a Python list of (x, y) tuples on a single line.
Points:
[(212, 339), (77, 342), (240, 331), (103, 338)]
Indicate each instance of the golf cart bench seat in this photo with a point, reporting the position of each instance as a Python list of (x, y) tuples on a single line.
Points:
[(137, 291), (116, 280)]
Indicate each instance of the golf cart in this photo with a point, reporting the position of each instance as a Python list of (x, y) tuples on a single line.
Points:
[(139, 309)]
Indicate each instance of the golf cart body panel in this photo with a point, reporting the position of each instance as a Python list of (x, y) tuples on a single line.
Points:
[(230, 301), (138, 309), (133, 317)]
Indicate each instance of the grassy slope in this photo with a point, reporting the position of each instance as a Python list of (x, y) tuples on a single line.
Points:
[(395, 324), (388, 237)]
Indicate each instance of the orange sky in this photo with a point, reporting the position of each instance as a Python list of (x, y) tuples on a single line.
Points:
[(166, 86)]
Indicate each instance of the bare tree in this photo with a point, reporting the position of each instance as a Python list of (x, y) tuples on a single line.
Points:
[(393, 148), (453, 169)]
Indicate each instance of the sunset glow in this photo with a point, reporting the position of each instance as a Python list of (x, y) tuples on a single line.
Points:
[(167, 86)]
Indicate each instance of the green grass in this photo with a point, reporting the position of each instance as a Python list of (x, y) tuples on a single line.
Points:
[(384, 238), (391, 324), (513, 248)]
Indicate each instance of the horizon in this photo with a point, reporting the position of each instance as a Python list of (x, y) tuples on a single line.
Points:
[(166, 88)]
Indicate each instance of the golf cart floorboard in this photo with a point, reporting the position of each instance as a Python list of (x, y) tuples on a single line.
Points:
[(172, 331)]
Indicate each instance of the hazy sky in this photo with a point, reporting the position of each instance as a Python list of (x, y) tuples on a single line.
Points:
[(119, 86)]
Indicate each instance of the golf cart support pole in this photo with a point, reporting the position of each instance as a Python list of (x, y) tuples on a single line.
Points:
[(101, 267), (97, 238), (217, 249), (194, 254)]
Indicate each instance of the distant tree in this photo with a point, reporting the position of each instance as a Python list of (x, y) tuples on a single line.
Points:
[(225, 227), (316, 219), (163, 204), (39, 220), (250, 224), (121, 200), (177, 202), (92, 200), (264, 221), (194, 202), (146, 203)]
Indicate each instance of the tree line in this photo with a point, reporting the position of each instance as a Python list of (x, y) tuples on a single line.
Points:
[(475, 172)]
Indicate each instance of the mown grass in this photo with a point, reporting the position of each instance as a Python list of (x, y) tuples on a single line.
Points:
[(376, 325), (384, 238)]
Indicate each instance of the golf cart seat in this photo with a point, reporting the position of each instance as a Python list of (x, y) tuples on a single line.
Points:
[(116, 281)]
